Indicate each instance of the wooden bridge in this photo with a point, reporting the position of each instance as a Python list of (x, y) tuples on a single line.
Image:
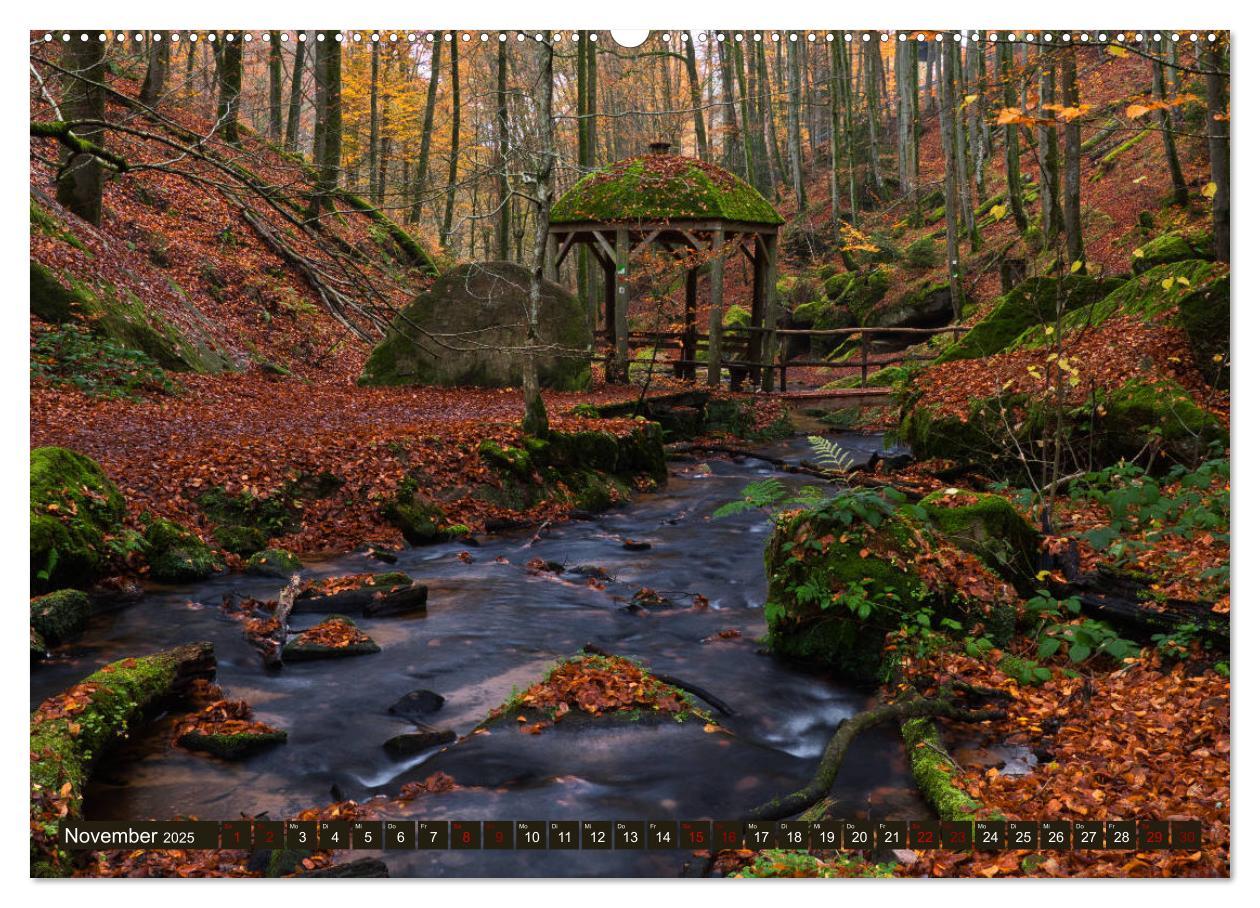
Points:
[(680, 352)]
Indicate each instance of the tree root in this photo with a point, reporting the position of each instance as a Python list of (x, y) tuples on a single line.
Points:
[(848, 730)]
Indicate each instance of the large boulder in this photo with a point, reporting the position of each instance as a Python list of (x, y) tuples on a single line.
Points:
[(846, 573), (1031, 303), (75, 511), (463, 332), (1179, 246)]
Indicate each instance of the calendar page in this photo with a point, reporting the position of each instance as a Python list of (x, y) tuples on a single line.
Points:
[(573, 452)]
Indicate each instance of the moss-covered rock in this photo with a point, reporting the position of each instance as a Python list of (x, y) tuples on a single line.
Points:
[(737, 316), (1031, 303), (273, 562), (119, 315), (1156, 419), (662, 187), (176, 554), (841, 577), (1204, 314), (306, 646), (232, 746), (1179, 246), (989, 527), (75, 510), (925, 306), (480, 310), (59, 616), (418, 518), (859, 291), (70, 731)]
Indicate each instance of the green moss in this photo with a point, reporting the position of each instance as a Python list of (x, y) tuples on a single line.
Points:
[(1149, 296), (923, 253), (273, 562), (935, 773), (51, 300), (662, 187), (1031, 303), (419, 520), (176, 554), (59, 616), (887, 377), (1120, 423), (75, 509), (777, 863), (1112, 156), (232, 747), (506, 457), (39, 646), (1172, 247), (862, 291), (737, 316), (64, 746), (45, 223), (1204, 314), (990, 528)]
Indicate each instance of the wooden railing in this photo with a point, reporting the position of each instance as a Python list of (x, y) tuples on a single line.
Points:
[(735, 337)]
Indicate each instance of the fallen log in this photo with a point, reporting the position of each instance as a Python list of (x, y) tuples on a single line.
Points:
[(1129, 599), (71, 730), (846, 732)]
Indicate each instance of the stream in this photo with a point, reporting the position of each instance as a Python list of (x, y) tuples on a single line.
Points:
[(492, 627)]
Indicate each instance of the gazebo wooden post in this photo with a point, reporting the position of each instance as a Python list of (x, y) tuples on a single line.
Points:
[(610, 317), (754, 344), (689, 330), (622, 306), (716, 269), (771, 306)]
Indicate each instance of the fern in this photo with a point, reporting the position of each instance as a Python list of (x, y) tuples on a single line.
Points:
[(763, 493), (832, 457)]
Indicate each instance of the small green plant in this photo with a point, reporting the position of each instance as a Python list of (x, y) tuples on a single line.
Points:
[(831, 456), (72, 355), (1177, 644), (1061, 629), (769, 494)]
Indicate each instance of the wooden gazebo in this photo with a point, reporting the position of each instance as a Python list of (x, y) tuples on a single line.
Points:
[(685, 206)]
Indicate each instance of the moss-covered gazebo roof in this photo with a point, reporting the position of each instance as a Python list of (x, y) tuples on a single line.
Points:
[(662, 187)]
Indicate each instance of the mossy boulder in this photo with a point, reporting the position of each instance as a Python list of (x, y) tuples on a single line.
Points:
[(75, 511), (305, 647), (989, 527), (926, 306), (66, 740), (662, 187), (1178, 246), (232, 746), (859, 291), (467, 329), (843, 576), (1204, 314), (737, 316), (60, 616), (1155, 419), (118, 314), (419, 518), (176, 554), (273, 562), (1033, 302)]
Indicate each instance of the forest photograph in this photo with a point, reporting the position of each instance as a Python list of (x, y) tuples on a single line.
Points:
[(725, 453)]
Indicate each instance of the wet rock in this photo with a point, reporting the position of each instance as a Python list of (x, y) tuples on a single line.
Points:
[(635, 545), (59, 616), (590, 570), (362, 868), (273, 562), (417, 703), (391, 593), (308, 645), (232, 747), (415, 742)]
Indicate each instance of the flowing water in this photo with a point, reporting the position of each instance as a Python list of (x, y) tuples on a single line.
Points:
[(492, 627)]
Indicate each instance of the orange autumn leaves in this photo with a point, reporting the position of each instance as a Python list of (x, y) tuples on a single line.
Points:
[(594, 686)]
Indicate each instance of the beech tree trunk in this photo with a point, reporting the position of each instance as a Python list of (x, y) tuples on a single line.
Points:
[(1218, 140), (948, 144), (229, 110), (426, 130), (374, 124), (1181, 194), (327, 122), (275, 88), (82, 179), (535, 422), (693, 87), (1014, 180), (159, 64), (452, 171), (795, 152), (295, 98), (1072, 162)]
